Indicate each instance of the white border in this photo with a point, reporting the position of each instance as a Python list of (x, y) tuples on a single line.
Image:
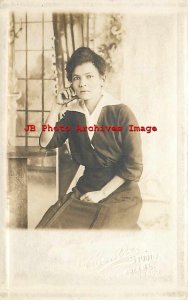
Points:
[(180, 291)]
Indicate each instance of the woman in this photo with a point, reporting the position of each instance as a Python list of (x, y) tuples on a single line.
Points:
[(96, 125)]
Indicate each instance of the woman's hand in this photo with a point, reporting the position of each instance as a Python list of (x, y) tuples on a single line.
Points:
[(59, 104), (66, 95), (109, 188), (94, 196)]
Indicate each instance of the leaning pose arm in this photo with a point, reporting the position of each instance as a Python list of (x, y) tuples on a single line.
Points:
[(51, 139), (110, 187)]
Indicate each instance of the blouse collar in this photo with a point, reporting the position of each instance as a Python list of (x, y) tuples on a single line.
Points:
[(79, 105), (91, 119)]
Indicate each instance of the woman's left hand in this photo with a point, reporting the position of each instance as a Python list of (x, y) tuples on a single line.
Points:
[(94, 196)]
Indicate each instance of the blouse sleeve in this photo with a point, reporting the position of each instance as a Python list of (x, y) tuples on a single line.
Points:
[(131, 162), (59, 137)]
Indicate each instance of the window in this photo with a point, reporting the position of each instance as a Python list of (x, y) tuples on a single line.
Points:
[(35, 72)]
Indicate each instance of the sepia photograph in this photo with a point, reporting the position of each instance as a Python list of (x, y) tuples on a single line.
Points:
[(106, 138), (94, 199)]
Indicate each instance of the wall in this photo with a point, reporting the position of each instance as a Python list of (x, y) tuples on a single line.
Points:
[(150, 89)]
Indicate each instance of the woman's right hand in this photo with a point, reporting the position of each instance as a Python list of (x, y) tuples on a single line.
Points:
[(66, 95), (60, 101)]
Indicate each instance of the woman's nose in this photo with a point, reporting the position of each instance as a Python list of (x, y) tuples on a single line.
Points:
[(82, 82)]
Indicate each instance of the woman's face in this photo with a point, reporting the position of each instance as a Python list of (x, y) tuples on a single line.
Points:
[(87, 82)]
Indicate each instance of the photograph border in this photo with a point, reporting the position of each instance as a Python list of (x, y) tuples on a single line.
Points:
[(180, 288)]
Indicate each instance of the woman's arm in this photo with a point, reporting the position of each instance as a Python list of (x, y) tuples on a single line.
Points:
[(112, 185), (53, 139), (109, 188), (52, 118)]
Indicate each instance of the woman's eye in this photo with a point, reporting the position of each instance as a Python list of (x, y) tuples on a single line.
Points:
[(75, 78), (89, 76)]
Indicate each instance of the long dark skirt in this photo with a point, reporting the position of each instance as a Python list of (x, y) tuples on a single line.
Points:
[(120, 210)]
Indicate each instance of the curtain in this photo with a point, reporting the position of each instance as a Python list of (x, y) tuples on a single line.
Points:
[(71, 32)]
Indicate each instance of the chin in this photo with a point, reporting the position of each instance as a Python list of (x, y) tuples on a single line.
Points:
[(84, 97)]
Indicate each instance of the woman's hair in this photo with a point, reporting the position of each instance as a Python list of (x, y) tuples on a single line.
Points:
[(83, 55)]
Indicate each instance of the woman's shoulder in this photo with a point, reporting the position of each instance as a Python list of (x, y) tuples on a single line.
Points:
[(116, 105)]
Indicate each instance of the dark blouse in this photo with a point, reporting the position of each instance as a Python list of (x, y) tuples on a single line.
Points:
[(108, 153)]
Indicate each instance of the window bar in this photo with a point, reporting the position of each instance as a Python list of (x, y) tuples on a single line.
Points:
[(82, 28), (32, 22), (42, 68), (60, 62), (23, 78), (72, 32), (11, 61), (87, 30), (30, 50), (64, 26), (33, 110), (26, 92), (94, 32), (58, 51), (30, 137), (62, 59)]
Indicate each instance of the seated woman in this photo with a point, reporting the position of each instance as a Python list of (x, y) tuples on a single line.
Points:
[(97, 127)]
